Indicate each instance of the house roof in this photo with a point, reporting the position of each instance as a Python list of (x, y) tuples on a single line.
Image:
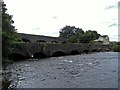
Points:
[(104, 36)]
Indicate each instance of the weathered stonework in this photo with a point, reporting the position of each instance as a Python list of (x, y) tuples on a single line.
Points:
[(41, 39), (29, 50)]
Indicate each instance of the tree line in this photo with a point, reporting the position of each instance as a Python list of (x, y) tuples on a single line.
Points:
[(75, 35)]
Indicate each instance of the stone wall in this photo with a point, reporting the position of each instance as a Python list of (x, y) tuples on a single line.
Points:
[(40, 38), (49, 49)]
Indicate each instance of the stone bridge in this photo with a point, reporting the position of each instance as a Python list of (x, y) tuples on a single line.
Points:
[(40, 50), (40, 38)]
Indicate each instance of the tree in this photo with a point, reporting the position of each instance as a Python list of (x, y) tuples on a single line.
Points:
[(116, 47), (75, 38), (89, 36), (8, 32), (68, 31)]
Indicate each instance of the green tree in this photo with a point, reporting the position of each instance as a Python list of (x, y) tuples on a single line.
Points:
[(8, 32), (75, 38), (116, 47), (68, 31), (87, 37)]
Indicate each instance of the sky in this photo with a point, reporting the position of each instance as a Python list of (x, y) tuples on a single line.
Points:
[(48, 17)]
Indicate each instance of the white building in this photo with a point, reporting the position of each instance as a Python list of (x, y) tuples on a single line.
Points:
[(104, 39)]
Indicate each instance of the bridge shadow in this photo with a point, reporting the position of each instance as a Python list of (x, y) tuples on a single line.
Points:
[(74, 52), (58, 53), (16, 57), (85, 51), (39, 55), (94, 50), (20, 57)]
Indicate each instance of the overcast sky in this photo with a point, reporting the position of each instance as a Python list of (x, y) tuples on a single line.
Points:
[(47, 17)]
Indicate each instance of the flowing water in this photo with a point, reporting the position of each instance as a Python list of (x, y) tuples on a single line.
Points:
[(96, 70)]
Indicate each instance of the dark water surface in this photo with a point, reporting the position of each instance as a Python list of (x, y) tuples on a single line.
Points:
[(97, 70)]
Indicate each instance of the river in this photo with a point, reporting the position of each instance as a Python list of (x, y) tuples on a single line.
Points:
[(96, 70)]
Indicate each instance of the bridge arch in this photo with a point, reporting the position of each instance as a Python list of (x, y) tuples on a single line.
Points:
[(94, 50), (41, 41), (74, 52), (16, 56), (64, 42), (39, 55), (85, 51), (25, 40), (54, 42), (58, 53), (99, 49)]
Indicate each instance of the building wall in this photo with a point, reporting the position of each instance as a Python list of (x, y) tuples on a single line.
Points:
[(104, 39)]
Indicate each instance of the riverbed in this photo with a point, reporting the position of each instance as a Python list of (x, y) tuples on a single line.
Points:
[(96, 70)]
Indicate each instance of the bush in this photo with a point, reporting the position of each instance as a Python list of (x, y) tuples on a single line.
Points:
[(116, 47)]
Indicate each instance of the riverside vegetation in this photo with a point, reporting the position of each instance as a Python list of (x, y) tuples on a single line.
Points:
[(116, 47), (9, 36)]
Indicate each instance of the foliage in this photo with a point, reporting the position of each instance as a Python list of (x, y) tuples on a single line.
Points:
[(9, 35), (75, 35), (69, 31), (87, 37), (74, 38), (116, 47)]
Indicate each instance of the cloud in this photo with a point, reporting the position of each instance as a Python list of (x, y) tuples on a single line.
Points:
[(36, 29), (55, 17), (114, 19), (111, 7), (114, 24)]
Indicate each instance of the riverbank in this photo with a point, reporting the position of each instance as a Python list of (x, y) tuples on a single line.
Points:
[(6, 74)]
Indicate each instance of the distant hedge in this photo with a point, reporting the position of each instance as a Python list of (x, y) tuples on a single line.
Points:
[(116, 47)]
